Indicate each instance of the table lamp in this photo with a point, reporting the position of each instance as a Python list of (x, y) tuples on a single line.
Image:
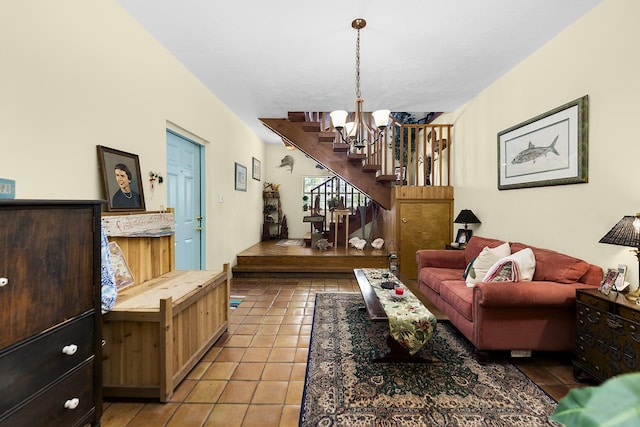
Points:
[(626, 233), (466, 216)]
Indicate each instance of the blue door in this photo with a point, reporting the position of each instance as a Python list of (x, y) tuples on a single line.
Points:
[(184, 194)]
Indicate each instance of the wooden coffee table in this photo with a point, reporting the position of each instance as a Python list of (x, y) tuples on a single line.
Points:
[(411, 324)]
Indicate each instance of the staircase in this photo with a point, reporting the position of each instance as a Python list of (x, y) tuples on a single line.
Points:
[(375, 169)]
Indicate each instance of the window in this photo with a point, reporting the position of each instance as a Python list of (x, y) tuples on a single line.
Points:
[(308, 184)]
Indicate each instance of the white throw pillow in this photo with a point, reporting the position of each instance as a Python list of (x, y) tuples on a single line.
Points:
[(524, 260), (485, 260)]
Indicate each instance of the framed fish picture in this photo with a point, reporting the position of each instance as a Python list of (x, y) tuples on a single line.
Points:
[(550, 149)]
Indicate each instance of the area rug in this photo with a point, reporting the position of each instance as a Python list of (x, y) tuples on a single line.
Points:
[(235, 300), (290, 242), (343, 387)]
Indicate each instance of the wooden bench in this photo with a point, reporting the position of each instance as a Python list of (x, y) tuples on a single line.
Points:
[(162, 324)]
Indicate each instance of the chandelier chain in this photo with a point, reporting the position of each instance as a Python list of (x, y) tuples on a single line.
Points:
[(358, 65)]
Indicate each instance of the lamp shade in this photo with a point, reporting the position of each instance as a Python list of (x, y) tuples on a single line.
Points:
[(466, 216), (625, 233)]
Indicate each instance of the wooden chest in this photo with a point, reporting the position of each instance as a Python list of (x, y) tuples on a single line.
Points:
[(608, 334)]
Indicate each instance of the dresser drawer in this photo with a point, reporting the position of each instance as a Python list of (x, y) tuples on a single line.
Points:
[(48, 407), (48, 263), (593, 301), (33, 364)]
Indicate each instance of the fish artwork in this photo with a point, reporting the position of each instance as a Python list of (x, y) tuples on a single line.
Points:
[(287, 161), (532, 152)]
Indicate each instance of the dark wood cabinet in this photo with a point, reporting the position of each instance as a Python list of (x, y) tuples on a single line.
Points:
[(50, 370), (608, 334)]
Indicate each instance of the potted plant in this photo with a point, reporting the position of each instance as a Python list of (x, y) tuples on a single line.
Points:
[(305, 205)]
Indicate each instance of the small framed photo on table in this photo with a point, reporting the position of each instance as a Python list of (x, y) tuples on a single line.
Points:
[(608, 281), (463, 236)]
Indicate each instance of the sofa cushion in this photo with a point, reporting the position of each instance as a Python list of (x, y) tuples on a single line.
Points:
[(553, 266), (519, 266), (485, 260), (433, 276), (476, 244), (459, 296)]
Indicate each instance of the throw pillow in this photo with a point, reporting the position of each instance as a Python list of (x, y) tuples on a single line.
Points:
[(468, 269), (484, 261), (507, 271), (121, 270), (524, 263)]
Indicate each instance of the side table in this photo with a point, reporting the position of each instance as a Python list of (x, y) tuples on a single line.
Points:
[(607, 333)]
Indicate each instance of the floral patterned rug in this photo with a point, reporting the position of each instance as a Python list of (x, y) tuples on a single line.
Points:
[(343, 387)]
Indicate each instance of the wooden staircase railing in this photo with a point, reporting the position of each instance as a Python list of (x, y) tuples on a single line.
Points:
[(407, 154)]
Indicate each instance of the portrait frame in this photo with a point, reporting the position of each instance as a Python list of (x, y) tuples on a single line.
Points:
[(240, 177), (107, 159), (400, 173), (549, 149), (256, 167), (463, 236)]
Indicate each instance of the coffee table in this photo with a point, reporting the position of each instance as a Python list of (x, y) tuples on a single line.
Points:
[(411, 324)]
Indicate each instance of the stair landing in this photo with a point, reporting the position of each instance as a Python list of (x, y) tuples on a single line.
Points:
[(267, 259)]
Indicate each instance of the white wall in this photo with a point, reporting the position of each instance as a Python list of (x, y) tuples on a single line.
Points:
[(76, 74), (291, 184), (597, 56)]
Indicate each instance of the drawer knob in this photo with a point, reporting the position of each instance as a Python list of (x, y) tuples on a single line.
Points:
[(3, 281), (72, 403), (70, 349)]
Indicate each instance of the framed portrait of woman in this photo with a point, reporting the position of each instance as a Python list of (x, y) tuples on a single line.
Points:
[(121, 180)]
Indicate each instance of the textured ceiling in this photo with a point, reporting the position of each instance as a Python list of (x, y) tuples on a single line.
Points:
[(265, 58)]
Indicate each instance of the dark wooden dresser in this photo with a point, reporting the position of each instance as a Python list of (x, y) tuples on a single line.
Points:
[(50, 352), (608, 334)]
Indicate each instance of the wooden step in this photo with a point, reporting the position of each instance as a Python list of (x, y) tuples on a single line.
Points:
[(385, 178), (371, 168), (297, 116), (340, 147), (356, 157), (311, 126), (327, 136)]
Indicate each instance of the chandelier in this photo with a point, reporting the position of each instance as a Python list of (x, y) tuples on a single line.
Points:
[(355, 133)]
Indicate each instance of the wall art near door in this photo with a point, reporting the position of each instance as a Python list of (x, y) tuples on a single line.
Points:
[(121, 180), (550, 149), (255, 168), (241, 177)]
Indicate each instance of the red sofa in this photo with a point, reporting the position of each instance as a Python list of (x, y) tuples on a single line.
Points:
[(525, 315)]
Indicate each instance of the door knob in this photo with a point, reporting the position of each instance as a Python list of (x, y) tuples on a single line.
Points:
[(199, 218), (198, 228), (404, 220)]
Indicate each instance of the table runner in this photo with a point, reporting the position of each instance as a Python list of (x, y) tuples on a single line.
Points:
[(410, 322)]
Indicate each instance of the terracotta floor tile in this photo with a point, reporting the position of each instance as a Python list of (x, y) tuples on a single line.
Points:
[(282, 354), (263, 416), (220, 371), (272, 320), (277, 372), (120, 414), (190, 415), (302, 355), (182, 391), (303, 341), (248, 371), (198, 370), (286, 341), (206, 391), (294, 393), (256, 354), (276, 311), (298, 371), (238, 392), (227, 415), (290, 416), (252, 319), (270, 392), (239, 341), (268, 329), (154, 414), (211, 355), (246, 329), (258, 311), (305, 329), (293, 320), (231, 354), (262, 341), (289, 330)]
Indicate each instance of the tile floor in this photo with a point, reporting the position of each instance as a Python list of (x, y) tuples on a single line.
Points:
[(254, 375)]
